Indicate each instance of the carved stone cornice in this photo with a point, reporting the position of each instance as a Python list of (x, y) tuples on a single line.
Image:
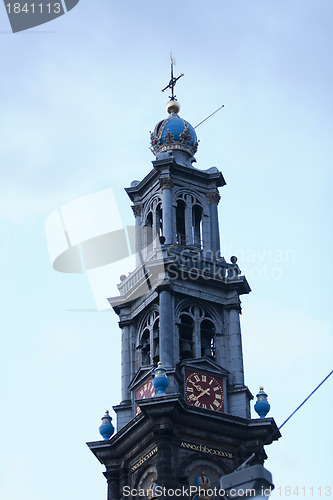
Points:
[(137, 210), (214, 197), (166, 183)]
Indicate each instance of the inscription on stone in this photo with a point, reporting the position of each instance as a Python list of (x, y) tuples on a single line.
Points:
[(205, 449)]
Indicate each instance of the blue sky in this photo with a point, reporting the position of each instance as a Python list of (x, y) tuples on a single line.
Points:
[(78, 98)]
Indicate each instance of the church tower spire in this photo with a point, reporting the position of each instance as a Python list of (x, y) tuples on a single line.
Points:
[(180, 307)]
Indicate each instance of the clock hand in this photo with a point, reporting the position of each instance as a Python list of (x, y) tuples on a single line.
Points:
[(206, 391)]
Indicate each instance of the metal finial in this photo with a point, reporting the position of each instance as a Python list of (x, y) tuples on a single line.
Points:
[(172, 83)]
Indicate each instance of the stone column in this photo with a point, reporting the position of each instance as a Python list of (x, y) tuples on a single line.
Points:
[(166, 186), (137, 210), (124, 480), (174, 223), (154, 231), (235, 345), (112, 478), (125, 360), (166, 328), (214, 199), (220, 348), (188, 220), (196, 335), (166, 473), (206, 233)]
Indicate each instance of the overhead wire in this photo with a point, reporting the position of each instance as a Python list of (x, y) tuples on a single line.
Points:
[(306, 399), (244, 464)]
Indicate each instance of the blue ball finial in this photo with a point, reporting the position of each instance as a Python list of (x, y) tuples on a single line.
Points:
[(160, 381), (106, 429), (262, 406)]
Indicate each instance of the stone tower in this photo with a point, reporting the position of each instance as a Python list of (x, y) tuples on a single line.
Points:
[(180, 307)]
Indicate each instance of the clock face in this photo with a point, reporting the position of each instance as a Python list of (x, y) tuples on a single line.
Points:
[(204, 391), (146, 390)]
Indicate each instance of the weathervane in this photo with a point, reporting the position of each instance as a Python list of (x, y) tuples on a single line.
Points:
[(172, 83)]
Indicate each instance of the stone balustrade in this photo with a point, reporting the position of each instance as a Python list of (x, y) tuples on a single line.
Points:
[(190, 262)]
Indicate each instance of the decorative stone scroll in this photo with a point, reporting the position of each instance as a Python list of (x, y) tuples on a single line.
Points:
[(235, 306), (214, 197), (137, 209), (166, 183)]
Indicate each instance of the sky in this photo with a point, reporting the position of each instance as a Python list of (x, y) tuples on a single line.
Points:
[(79, 96)]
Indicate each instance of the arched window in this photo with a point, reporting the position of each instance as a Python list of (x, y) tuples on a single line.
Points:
[(197, 225), (149, 339), (186, 336), (153, 225), (159, 220), (180, 222), (149, 230), (156, 342), (197, 332), (207, 337), (145, 349)]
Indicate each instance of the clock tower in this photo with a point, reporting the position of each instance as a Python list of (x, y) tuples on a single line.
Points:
[(179, 315)]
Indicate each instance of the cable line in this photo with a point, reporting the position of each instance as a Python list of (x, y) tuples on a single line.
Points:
[(305, 400), (244, 464), (218, 109)]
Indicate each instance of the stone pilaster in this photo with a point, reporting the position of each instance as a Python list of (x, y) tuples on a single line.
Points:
[(166, 328), (166, 473), (166, 187), (188, 220), (137, 210), (214, 199), (112, 478), (235, 345), (125, 360)]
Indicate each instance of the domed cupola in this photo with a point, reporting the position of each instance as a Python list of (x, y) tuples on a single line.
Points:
[(174, 133)]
